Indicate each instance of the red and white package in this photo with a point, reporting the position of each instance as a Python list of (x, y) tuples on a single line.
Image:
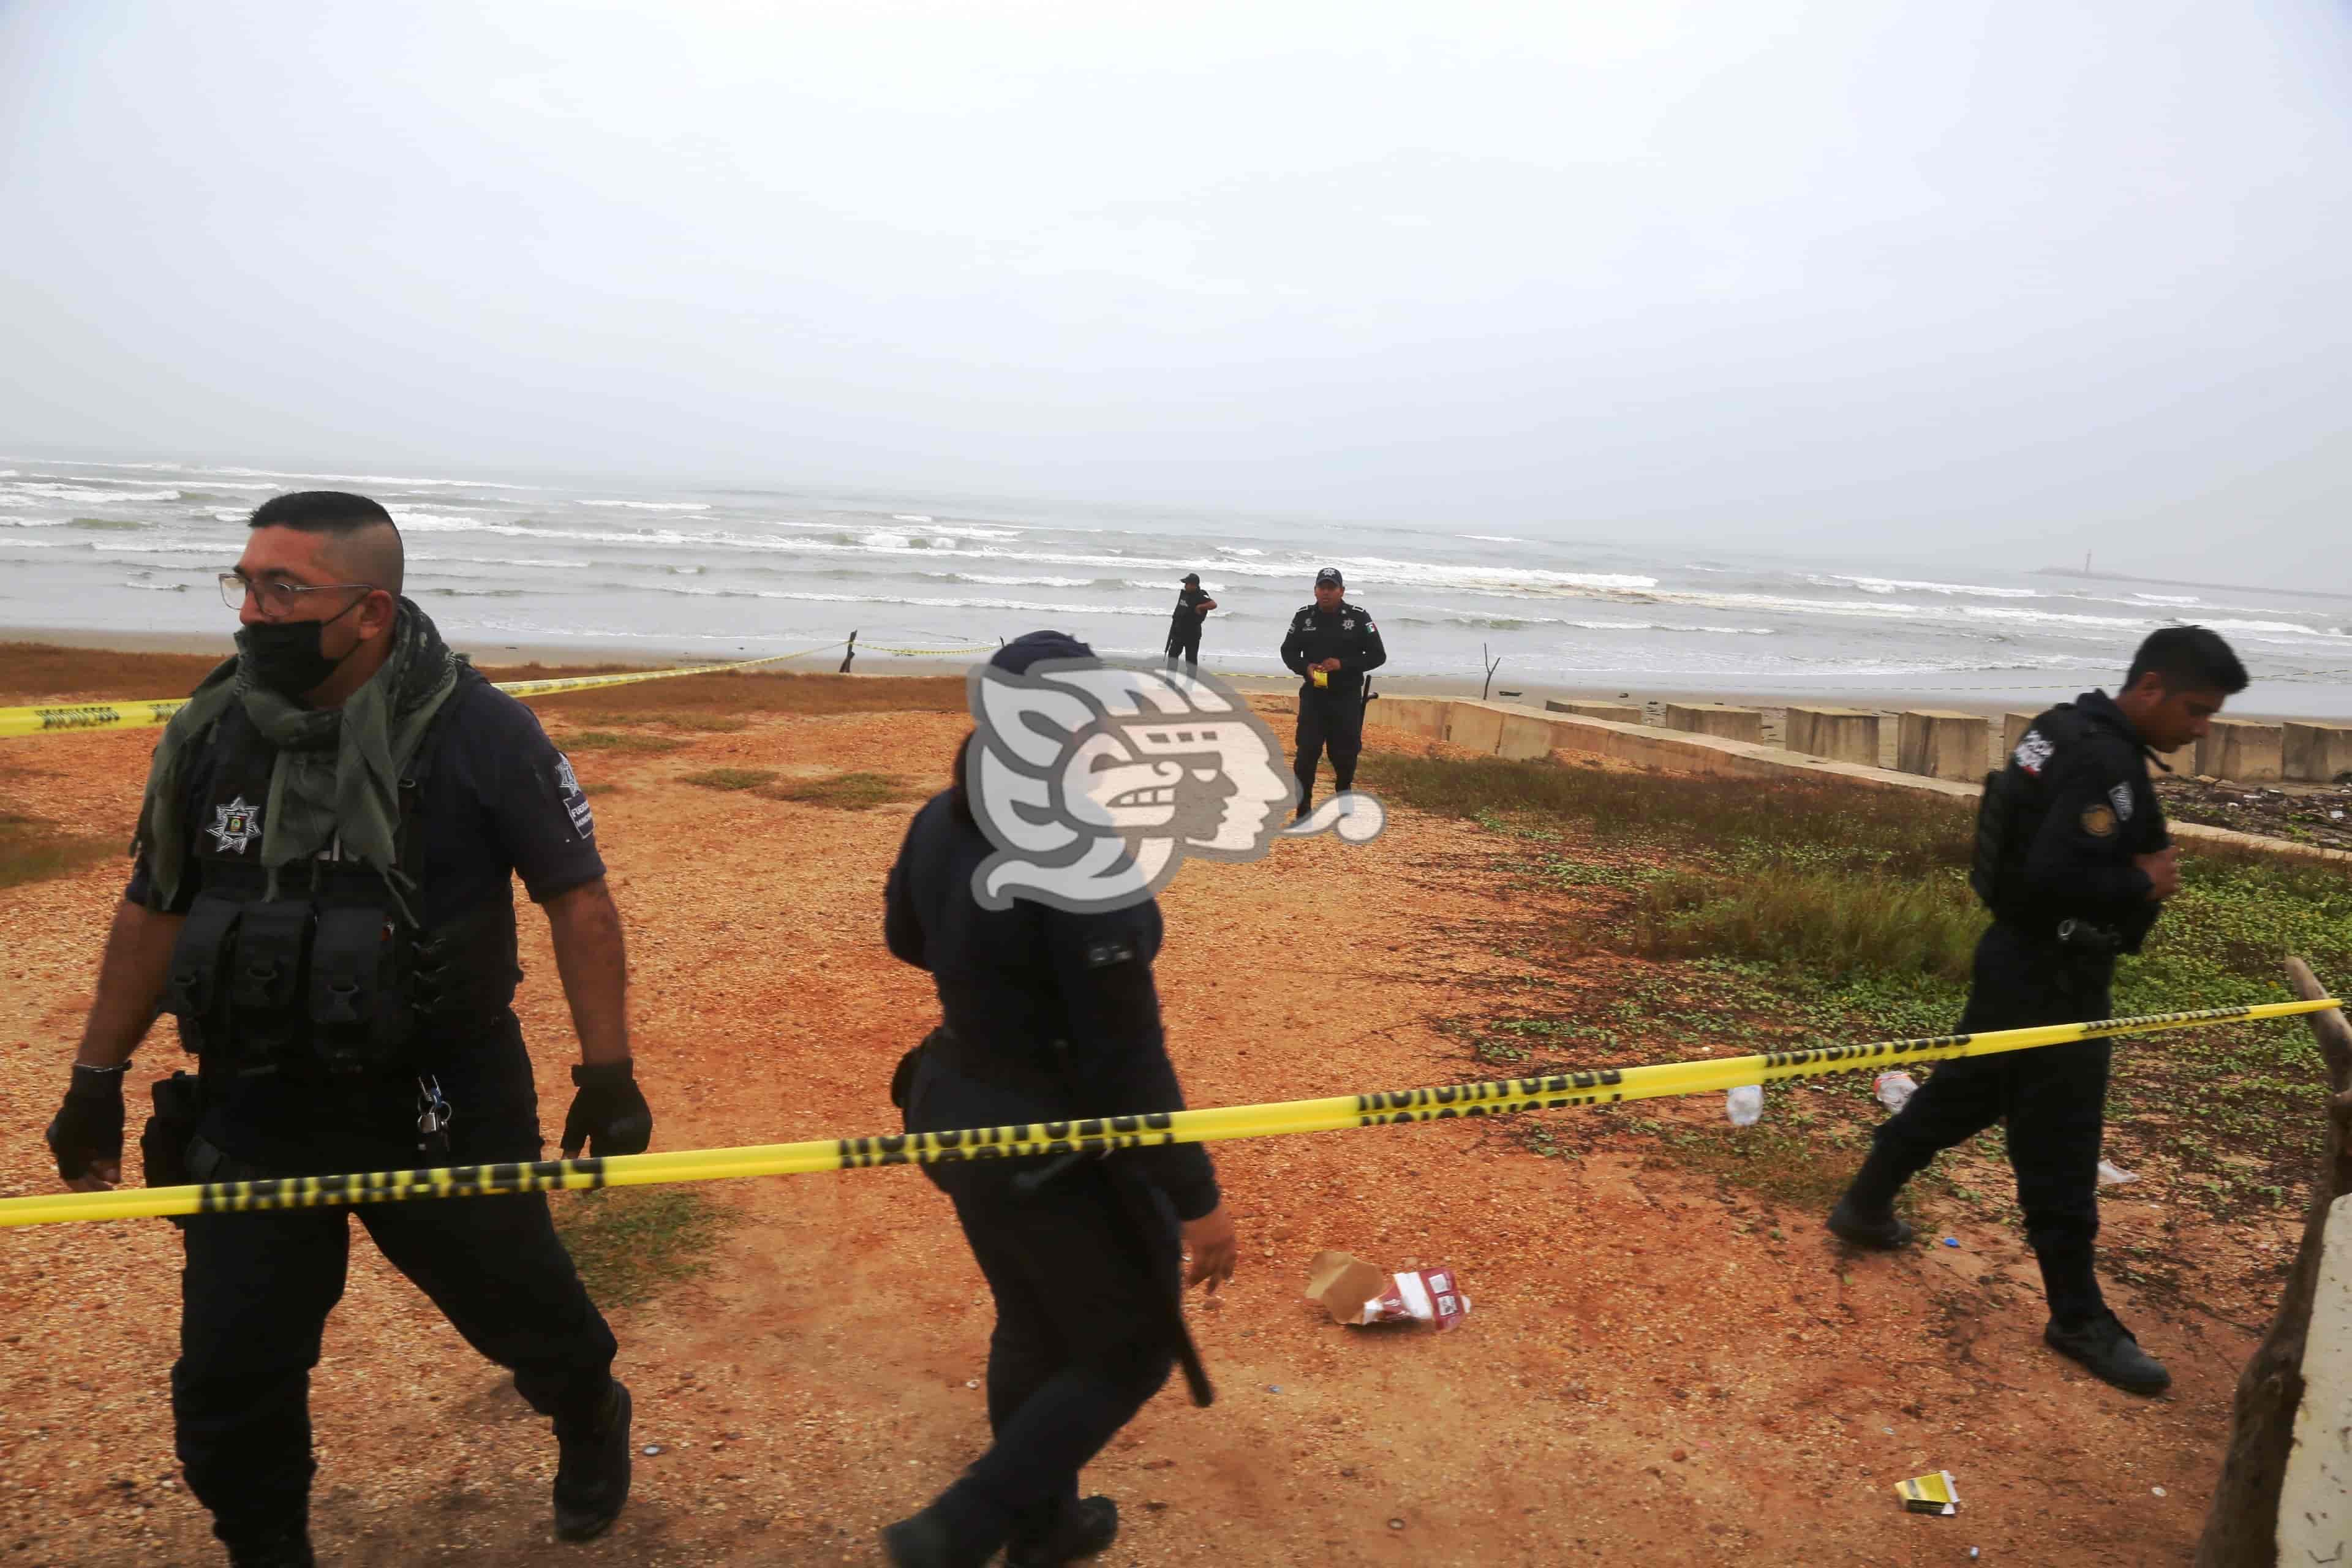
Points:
[(1420, 1296), (1355, 1291)]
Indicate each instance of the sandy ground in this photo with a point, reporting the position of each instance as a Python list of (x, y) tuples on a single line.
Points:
[(1656, 1369)]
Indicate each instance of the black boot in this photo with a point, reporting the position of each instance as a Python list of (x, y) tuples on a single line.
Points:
[(924, 1541), (1083, 1531), (287, 1548), (591, 1469), (1880, 1229), (2107, 1348)]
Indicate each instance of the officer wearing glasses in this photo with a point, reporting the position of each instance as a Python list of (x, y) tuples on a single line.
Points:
[(322, 898)]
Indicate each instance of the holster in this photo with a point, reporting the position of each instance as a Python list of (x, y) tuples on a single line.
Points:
[(165, 1141)]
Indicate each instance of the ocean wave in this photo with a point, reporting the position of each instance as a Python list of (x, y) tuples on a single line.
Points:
[(909, 517), (50, 491), (1495, 538), (549, 563), (156, 587), (652, 505), (1913, 585), (106, 522), (347, 478), (29, 522), (2168, 598), (922, 601), (1237, 550)]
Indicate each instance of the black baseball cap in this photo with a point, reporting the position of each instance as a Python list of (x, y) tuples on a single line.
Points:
[(1329, 578), (1194, 578)]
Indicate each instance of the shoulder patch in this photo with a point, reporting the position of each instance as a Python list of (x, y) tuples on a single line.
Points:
[(2099, 820), (575, 799), (2033, 752), (1106, 954), (2120, 795)]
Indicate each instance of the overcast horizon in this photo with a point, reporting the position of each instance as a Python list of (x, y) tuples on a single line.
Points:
[(1853, 277)]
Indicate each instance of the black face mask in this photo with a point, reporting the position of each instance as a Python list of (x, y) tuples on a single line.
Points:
[(286, 656)]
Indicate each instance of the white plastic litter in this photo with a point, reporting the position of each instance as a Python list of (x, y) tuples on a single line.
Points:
[(1895, 1090), (1744, 1105), (2115, 1175)]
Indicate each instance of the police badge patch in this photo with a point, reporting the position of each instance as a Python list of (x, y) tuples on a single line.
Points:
[(2120, 796), (575, 799), (2099, 820), (234, 826)]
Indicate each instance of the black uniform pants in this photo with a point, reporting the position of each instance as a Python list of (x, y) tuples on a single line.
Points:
[(1083, 1302), (1184, 643), (255, 1296), (2053, 1098), (1333, 720)]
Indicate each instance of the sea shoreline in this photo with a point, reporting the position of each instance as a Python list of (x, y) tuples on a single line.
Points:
[(827, 658)]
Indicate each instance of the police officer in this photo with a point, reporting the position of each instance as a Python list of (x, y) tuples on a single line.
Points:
[(1331, 645), (2075, 862), (1047, 1014), (322, 897), (1192, 607)]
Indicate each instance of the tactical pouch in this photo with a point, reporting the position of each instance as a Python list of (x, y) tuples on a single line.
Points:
[(902, 1079), (358, 1019), (196, 982), (1996, 819), (164, 1141), (273, 944)]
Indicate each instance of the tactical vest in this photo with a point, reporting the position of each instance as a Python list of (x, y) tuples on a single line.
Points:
[(2008, 814), (329, 978)]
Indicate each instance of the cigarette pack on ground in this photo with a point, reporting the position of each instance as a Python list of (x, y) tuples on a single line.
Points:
[(1355, 1291), (1931, 1494)]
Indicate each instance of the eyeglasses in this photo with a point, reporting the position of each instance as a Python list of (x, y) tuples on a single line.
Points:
[(279, 600)]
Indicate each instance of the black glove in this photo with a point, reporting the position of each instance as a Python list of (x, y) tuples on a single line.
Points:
[(88, 1129), (608, 1116)]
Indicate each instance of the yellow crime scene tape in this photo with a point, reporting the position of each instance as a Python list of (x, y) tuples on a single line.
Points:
[(924, 652), (1603, 1085), (147, 713)]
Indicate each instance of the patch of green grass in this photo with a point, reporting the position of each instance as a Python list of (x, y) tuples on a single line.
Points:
[(1834, 923), (684, 719), (1888, 830), (32, 850), (614, 740), (729, 778), (631, 1242), (1789, 914), (848, 792)]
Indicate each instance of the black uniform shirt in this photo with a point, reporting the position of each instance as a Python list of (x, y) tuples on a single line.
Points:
[(2089, 808), (498, 799), (1012, 982), (1346, 634), (1188, 609)]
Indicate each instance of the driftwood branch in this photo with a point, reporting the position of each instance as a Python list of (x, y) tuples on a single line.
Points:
[(2242, 1530)]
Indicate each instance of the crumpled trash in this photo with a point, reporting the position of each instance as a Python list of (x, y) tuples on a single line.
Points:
[(1931, 1494), (1357, 1293), (1895, 1090), (1744, 1105), (2115, 1175)]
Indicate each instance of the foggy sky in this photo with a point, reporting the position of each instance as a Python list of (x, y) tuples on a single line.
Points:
[(1999, 276)]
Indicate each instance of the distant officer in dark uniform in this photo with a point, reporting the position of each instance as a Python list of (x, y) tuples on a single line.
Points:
[(1331, 645), (1192, 607), (1047, 1015), (322, 897), (2075, 862)]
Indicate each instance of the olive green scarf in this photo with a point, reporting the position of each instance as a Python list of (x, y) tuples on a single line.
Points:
[(336, 776)]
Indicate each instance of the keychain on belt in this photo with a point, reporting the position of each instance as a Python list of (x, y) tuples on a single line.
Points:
[(432, 1118)]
